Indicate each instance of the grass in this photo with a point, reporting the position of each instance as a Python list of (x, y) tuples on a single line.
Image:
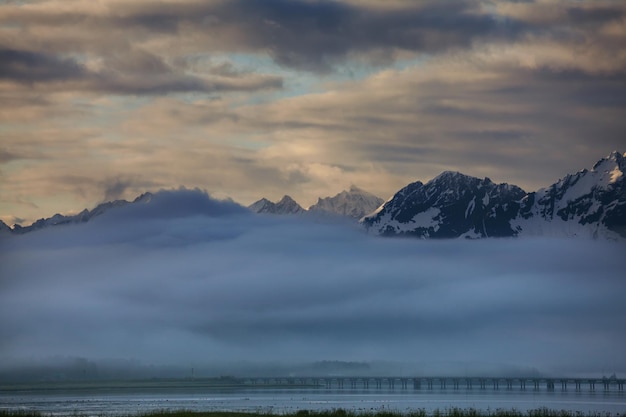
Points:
[(453, 412)]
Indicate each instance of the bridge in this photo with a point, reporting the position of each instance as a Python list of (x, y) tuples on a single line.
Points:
[(442, 383)]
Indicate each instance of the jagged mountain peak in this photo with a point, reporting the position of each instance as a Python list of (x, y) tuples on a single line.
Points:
[(354, 203), (285, 205), (613, 166), (450, 205), (144, 198), (446, 175), (589, 203), (457, 178), (287, 200)]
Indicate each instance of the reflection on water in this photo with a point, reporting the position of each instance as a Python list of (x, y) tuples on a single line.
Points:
[(287, 400)]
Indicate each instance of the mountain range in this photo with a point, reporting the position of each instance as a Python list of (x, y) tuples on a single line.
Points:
[(590, 203), (354, 203), (82, 217)]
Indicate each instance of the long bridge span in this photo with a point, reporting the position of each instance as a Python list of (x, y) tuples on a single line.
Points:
[(442, 383)]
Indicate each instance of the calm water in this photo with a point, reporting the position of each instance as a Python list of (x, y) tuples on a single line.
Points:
[(287, 400)]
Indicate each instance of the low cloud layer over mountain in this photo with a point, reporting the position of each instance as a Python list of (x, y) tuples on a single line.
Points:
[(185, 278)]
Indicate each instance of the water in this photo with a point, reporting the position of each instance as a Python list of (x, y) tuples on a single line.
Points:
[(95, 403)]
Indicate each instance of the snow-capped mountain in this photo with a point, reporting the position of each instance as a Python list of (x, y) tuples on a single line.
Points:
[(589, 203), (286, 205), (450, 205), (354, 203)]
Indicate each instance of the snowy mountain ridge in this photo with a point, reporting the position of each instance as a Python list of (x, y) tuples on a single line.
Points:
[(590, 203), (354, 203)]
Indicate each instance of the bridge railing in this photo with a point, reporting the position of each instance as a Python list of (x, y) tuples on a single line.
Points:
[(441, 382)]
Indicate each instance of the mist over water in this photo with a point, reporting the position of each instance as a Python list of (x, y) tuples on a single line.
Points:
[(187, 280)]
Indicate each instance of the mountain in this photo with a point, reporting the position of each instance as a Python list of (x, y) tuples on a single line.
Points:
[(589, 203), (83, 216), (286, 205), (451, 205), (354, 203)]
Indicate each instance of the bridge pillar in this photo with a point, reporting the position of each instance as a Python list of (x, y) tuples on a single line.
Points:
[(536, 384), (522, 384), (563, 385), (550, 384), (430, 383), (482, 384), (417, 384), (509, 384), (592, 385)]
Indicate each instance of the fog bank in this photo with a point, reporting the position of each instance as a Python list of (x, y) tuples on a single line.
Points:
[(187, 280)]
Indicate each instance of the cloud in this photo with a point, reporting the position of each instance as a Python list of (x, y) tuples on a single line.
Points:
[(30, 67), (258, 99), (309, 35), (188, 278), (134, 73)]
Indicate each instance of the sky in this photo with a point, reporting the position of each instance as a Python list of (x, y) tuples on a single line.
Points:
[(107, 99), (188, 280)]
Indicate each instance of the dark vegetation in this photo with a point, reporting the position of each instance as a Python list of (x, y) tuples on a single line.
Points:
[(452, 412)]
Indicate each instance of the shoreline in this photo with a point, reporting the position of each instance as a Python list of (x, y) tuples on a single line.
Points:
[(446, 412)]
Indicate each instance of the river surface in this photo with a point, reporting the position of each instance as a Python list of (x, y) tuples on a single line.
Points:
[(65, 403)]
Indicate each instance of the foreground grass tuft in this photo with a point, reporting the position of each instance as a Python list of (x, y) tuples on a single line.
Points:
[(452, 412)]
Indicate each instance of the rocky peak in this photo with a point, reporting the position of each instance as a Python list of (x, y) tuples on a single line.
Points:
[(286, 205), (354, 203)]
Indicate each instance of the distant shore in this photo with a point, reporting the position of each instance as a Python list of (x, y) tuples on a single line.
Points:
[(451, 412)]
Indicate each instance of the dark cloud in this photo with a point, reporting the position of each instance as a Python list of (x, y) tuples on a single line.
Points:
[(595, 15), (7, 156), (315, 35), (188, 278), (31, 67), (114, 189), (133, 72), (303, 34)]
